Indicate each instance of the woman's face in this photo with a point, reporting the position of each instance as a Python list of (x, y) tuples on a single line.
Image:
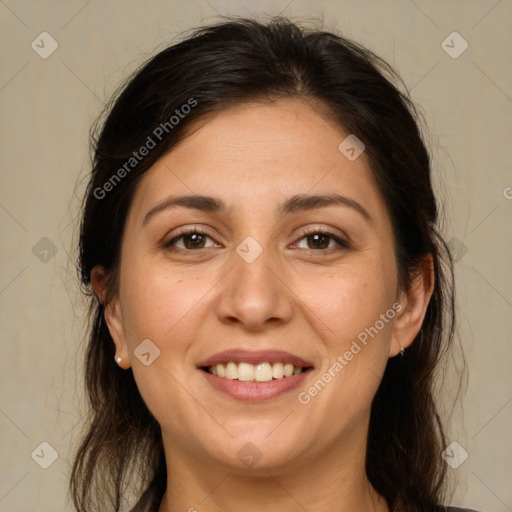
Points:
[(269, 275)]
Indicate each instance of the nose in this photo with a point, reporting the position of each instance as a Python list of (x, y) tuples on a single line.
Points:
[(255, 294)]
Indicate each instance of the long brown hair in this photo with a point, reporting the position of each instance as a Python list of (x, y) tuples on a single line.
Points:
[(218, 66)]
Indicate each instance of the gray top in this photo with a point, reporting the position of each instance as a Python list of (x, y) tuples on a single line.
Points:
[(457, 509), (142, 507)]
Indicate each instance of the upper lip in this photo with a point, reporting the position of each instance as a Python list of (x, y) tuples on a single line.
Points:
[(255, 357)]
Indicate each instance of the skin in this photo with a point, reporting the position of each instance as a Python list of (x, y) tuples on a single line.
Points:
[(295, 297)]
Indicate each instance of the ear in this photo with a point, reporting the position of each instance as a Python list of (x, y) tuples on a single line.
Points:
[(113, 314), (414, 302)]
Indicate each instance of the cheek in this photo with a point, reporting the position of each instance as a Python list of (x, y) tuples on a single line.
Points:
[(355, 345), (158, 302), (168, 309), (348, 301)]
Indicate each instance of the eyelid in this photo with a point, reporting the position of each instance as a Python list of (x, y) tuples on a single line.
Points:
[(187, 231), (341, 240)]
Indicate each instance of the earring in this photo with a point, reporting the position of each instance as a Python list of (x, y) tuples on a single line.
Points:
[(118, 360), (402, 351)]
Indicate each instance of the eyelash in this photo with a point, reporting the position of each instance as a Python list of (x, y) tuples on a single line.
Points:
[(185, 232), (342, 244)]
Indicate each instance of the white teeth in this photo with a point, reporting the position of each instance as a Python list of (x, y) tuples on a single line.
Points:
[(245, 371), (231, 371), (278, 370), (263, 372)]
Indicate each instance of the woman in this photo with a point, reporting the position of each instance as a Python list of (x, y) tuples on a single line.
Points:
[(271, 295)]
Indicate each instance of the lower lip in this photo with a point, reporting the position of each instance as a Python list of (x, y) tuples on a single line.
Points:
[(251, 391)]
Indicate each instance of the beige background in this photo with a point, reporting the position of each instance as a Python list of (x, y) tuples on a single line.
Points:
[(47, 108)]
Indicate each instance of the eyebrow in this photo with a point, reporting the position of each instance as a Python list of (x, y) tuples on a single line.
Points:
[(310, 202), (300, 202), (194, 202)]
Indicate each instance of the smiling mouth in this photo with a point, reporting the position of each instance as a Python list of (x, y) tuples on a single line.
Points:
[(262, 372)]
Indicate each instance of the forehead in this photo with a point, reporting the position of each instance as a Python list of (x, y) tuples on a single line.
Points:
[(258, 154)]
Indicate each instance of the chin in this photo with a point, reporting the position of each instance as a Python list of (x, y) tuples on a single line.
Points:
[(258, 450)]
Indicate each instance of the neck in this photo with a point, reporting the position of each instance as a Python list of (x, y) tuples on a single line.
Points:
[(334, 480)]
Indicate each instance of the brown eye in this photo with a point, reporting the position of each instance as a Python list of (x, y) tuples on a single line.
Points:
[(321, 240), (193, 241), (190, 240), (318, 241)]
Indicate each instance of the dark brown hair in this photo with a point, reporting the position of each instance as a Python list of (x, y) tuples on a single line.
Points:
[(236, 61)]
